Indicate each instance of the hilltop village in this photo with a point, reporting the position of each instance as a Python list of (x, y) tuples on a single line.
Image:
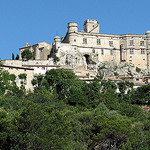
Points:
[(85, 91), (118, 57)]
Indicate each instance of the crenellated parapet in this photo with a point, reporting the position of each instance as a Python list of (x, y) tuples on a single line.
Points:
[(91, 26)]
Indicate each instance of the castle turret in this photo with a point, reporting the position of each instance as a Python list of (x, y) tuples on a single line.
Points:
[(148, 49), (72, 27), (57, 39), (57, 42), (91, 26), (72, 33)]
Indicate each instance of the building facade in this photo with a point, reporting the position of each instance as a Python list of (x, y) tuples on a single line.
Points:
[(89, 47), (21, 70)]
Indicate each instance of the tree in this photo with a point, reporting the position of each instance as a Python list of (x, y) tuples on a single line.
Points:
[(111, 130), (141, 95), (7, 82), (61, 80), (106, 85), (39, 128), (17, 57), (26, 55), (23, 77), (13, 57)]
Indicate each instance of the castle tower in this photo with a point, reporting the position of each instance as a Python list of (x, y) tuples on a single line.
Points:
[(72, 33), (91, 26), (148, 49), (57, 43)]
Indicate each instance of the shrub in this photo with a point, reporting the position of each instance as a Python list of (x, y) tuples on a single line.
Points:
[(138, 69), (116, 73), (26, 55)]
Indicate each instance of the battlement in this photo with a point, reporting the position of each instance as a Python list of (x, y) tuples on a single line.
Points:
[(91, 25), (91, 21)]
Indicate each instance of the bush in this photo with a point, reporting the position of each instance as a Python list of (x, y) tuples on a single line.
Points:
[(138, 69), (116, 73), (26, 55)]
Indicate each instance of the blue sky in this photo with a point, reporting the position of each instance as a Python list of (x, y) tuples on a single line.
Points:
[(36, 21)]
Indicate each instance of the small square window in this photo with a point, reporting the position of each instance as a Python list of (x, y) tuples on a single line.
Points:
[(84, 40), (141, 43), (142, 51), (98, 42), (111, 43), (93, 50), (131, 42), (131, 51)]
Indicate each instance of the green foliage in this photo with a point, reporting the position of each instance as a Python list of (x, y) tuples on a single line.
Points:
[(114, 129), (17, 57), (7, 82), (115, 68), (106, 85), (116, 73), (141, 95), (110, 99), (99, 75), (138, 69), (22, 76), (13, 57), (26, 55), (102, 67), (131, 111), (66, 113), (1, 64)]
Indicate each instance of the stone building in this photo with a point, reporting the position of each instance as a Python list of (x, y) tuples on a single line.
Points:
[(21, 70), (90, 48)]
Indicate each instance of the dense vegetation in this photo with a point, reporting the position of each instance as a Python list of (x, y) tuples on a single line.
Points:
[(26, 55), (65, 113)]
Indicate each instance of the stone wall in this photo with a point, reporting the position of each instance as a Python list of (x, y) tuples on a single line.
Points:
[(78, 46), (19, 70)]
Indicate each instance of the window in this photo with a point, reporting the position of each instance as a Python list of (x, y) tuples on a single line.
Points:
[(131, 42), (142, 51), (74, 40), (98, 42), (111, 43), (141, 43), (93, 50), (102, 52), (131, 51), (43, 68), (84, 40)]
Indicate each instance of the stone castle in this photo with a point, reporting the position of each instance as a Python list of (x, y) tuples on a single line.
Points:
[(85, 52), (89, 47)]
